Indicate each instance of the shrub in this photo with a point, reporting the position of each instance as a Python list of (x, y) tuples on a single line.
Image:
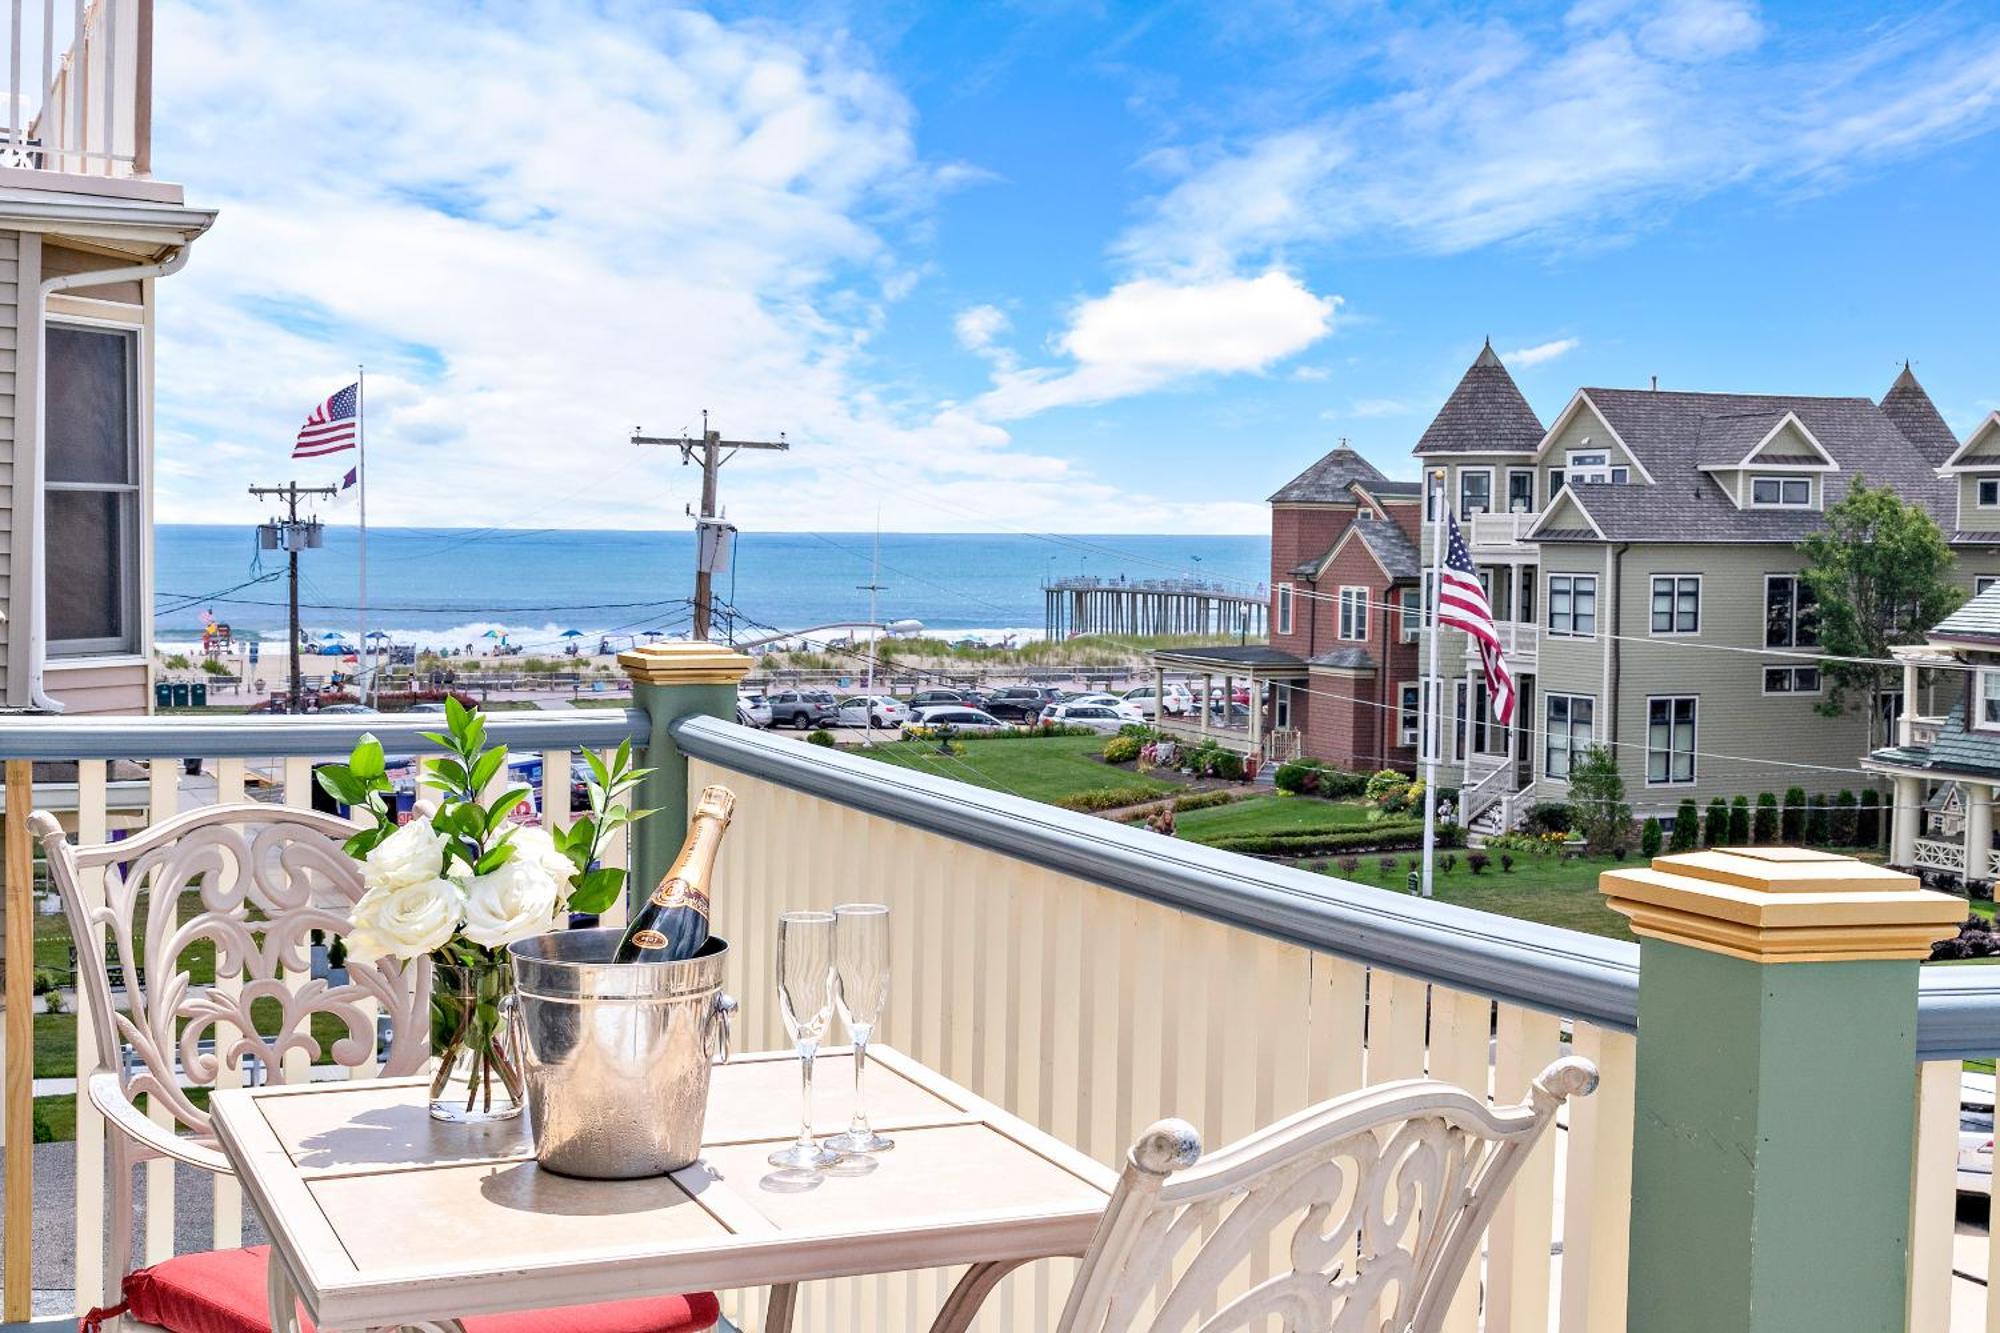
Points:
[(1845, 819), (1398, 800), (1507, 863), (1107, 798), (1212, 760), (1715, 825), (1121, 749), (1336, 785), (214, 666), (1385, 836), (1868, 820), (46, 979), (1649, 837), (1387, 865), (820, 737), (1816, 830), (1792, 824), (1140, 732), (1384, 781), (1549, 817), (1687, 827), (42, 1133), (1447, 863), (1739, 821), (1477, 862), (177, 662), (1350, 865), (1299, 776), (1201, 800), (1764, 828)]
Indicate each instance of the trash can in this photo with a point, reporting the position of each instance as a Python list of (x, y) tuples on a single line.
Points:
[(198, 693), (163, 694), (181, 694)]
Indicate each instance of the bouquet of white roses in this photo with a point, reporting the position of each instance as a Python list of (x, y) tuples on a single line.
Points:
[(465, 881)]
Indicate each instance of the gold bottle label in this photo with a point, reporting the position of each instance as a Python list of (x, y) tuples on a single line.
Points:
[(680, 893), (648, 939)]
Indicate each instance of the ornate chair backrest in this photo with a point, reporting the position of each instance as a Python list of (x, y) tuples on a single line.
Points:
[(1378, 1199), (265, 877)]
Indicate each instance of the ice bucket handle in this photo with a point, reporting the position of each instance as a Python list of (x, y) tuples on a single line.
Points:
[(718, 1027), (510, 1030)]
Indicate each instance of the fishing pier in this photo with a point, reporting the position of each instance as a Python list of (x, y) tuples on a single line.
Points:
[(1084, 605)]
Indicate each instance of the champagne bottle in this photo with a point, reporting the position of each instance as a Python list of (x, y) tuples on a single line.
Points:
[(672, 924)]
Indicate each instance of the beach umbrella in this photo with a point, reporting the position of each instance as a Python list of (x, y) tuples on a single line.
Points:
[(492, 634), (378, 634), (330, 636), (572, 634)]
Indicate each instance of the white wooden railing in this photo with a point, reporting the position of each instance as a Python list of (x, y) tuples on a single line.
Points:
[(1493, 531), (1918, 731), (1476, 797), (80, 86), (1935, 855)]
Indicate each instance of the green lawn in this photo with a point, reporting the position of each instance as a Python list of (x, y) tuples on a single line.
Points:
[(1275, 813), (1547, 889), (1041, 770), (1983, 907)]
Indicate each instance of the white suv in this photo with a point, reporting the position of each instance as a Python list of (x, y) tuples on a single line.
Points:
[(1179, 700)]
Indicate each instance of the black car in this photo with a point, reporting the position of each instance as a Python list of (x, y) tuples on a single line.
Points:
[(1023, 703), (944, 699), (803, 709)]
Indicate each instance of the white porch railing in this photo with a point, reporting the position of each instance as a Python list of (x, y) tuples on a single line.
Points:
[(1479, 795), (1921, 732), (1935, 855), (80, 87), (1502, 531)]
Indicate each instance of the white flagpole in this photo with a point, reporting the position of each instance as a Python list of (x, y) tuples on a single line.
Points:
[(1431, 692), (361, 479)]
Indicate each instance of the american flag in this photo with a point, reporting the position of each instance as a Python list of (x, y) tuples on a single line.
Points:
[(330, 428), (1462, 605)]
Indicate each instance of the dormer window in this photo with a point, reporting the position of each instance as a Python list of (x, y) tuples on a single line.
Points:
[(1988, 718), (1594, 465), (1781, 492), (1989, 492)]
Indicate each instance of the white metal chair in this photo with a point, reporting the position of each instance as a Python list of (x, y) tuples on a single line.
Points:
[(267, 877), (1379, 1198)]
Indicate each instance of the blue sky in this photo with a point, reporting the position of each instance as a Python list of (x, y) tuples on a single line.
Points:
[(1048, 267)]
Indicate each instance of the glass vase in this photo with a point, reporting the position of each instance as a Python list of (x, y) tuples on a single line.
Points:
[(476, 1080)]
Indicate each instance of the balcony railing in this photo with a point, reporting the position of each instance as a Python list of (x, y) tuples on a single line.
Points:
[(80, 86), (1920, 732), (1502, 531), (1085, 975)]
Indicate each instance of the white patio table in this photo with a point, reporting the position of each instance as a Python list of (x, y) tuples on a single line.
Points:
[(380, 1216)]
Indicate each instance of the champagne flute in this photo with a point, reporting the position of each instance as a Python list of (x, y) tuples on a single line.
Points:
[(861, 990), (805, 997)]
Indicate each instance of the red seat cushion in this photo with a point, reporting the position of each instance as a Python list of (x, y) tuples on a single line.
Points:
[(222, 1291)]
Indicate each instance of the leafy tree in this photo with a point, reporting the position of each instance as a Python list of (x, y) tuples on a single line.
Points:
[(1739, 821), (1880, 573), (1817, 831), (1794, 820), (1687, 827), (1715, 828), (1868, 821), (1597, 800), (1845, 820), (1649, 837), (1764, 828)]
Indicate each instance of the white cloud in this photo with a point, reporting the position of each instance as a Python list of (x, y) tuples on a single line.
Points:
[(977, 326), (1540, 352), (1151, 332), (1380, 407), (1312, 374)]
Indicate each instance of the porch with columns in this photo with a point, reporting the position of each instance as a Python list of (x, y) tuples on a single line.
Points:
[(1944, 779), (1252, 664)]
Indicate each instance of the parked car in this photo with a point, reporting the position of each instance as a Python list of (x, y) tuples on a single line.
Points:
[(1179, 700), (804, 709), (956, 720), (1130, 712), (877, 711), (1975, 1134), (946, 699), (753, 710), (1023, 703), (338, 709), (1099, 718)]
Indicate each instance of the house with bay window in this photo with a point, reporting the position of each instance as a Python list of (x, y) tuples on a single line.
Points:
[(1641, 556), (86, 235)]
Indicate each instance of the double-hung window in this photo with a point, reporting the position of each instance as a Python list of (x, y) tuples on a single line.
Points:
[(1409, 705), (1989, 701), (1475, 491), (1284, 608), (1520, 491), (1781, 492), (1568, 733), (1791, 613), (1354, 613), (91, 507), (1670, 731), (1411, 612), (1791, 680), (1676, 603), (1573, 604), (1989, 492)]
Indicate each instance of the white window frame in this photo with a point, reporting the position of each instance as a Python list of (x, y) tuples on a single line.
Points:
[(1281, 705), (1409, 713), (1285, 595), (1986, 694), (1464, 472), (1410, 613), (1512, 474), (1982, 582), (1558, 478), (1600, 471), (1359, 599), (1673, 606), (1569, 744), (1792, 690), (1569, 593), (1673, 751), (1798, 582), (136, 522), (1783, 484), (1979, 492)]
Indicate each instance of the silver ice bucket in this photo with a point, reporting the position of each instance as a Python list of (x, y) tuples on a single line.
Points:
[(616, 1054)]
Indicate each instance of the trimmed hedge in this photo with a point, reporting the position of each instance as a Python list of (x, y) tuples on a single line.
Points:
[(1687, 827), (1868, 821), (1108, 798), (1121, 749), (1765, 827), (1649, 838), (1739, 821), (1202, 800), (1310, 777), (1387, 836)]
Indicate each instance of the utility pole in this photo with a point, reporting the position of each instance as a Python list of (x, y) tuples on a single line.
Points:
[(709, 534), (293, 534)]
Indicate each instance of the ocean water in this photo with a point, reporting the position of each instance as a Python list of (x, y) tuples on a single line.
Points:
[(445, 586)]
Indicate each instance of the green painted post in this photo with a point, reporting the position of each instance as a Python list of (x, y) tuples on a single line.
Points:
[(672, 681), (1775, 1096)]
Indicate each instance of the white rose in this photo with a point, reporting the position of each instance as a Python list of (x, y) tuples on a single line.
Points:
[(536, 847), (413, 854), (512, 903), (407, 922)]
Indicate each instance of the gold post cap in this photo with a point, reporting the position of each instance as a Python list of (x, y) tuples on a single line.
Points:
[(1782, 905), (684, 664)]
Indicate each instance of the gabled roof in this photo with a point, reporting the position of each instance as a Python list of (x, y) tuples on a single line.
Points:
[(1566, 518), (1580, 402), (1485, 414), (1391, 547), (1961, 460), (1327, 481), (1907, 405), (1958, 750), (1343, 659), (1739, 439), (1977, 619)]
